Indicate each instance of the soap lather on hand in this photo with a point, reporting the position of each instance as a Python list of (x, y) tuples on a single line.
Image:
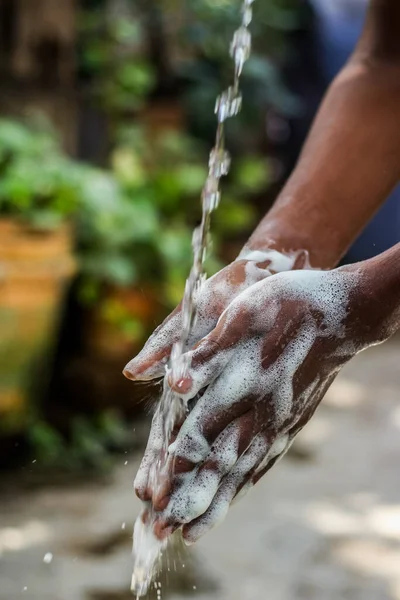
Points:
[(272, 333)]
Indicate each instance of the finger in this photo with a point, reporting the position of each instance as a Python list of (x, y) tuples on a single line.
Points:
[(151, 455), (278, 449), (153, 458), (231, 395), (213, 353), (151, 361), (232, 483), (196, 491), (210, 416)]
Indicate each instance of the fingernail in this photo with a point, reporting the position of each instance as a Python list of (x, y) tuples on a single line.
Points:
[(139, 369), (133, 369), (181, 385)]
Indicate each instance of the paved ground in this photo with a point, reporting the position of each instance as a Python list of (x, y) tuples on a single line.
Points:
[(323, 525)]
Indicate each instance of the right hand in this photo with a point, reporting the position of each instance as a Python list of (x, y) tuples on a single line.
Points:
[(214, 296), (261, 372)]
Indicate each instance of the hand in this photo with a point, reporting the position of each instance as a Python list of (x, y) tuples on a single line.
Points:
[(262, 372), (215, 295), (217, 292)]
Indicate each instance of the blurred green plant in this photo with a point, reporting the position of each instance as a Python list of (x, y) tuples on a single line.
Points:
[(136, 225), (201, 39), (38, 182), (87, 446), (131, 49), (133, 222), (112, 57)]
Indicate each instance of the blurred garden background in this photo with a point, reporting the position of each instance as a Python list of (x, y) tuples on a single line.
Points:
[(106, 121), (107, 117)]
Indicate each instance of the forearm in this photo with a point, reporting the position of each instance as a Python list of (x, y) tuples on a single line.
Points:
[(349, 164)]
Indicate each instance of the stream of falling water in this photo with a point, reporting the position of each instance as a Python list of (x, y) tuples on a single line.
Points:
[(171, 408)]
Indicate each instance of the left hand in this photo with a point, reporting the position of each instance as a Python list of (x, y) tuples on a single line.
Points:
[(262, 372)]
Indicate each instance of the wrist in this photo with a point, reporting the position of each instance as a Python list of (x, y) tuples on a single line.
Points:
[(274, 257), (292, 230), (379, 301)]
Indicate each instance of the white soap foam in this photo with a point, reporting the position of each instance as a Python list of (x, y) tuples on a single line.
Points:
[(279, 261), (244, 376), (223, 499), (218, 290), (150, 549), (237, 373)]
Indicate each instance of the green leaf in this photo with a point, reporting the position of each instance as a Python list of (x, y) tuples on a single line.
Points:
[(47, 444), (252, 173), (233, 217), (191, 178), (174, 245), (135, 77), (128, 167), (110, 268), (45, 219), (126, 31)]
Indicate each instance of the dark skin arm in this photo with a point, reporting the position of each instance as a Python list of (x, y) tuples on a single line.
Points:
[(349, 164), (351, 160)]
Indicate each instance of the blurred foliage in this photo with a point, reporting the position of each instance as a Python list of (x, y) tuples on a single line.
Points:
[(147, 206), (134, 221), (111, 56), (194, 35), (203, 61), (38, 183), (87, 446), (137, 222)]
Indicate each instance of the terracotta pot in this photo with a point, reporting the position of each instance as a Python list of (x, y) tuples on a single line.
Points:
[(35, 268)]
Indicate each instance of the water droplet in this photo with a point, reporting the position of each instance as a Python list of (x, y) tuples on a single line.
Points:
[(240, 47), (25, 589), (48, 558), (33, 462), (123, 525), (126, 462), (228, 104), (194, 587), (211, 194), (247, 14), (219, 162), (171, 406)]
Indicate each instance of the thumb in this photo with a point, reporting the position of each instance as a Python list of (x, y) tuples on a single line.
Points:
[(151, 360), (209, 357)]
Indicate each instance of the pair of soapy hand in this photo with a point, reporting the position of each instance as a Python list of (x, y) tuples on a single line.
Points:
[(270, 337)]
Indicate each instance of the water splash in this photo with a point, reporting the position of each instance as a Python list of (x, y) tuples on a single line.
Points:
[(171, 408)]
